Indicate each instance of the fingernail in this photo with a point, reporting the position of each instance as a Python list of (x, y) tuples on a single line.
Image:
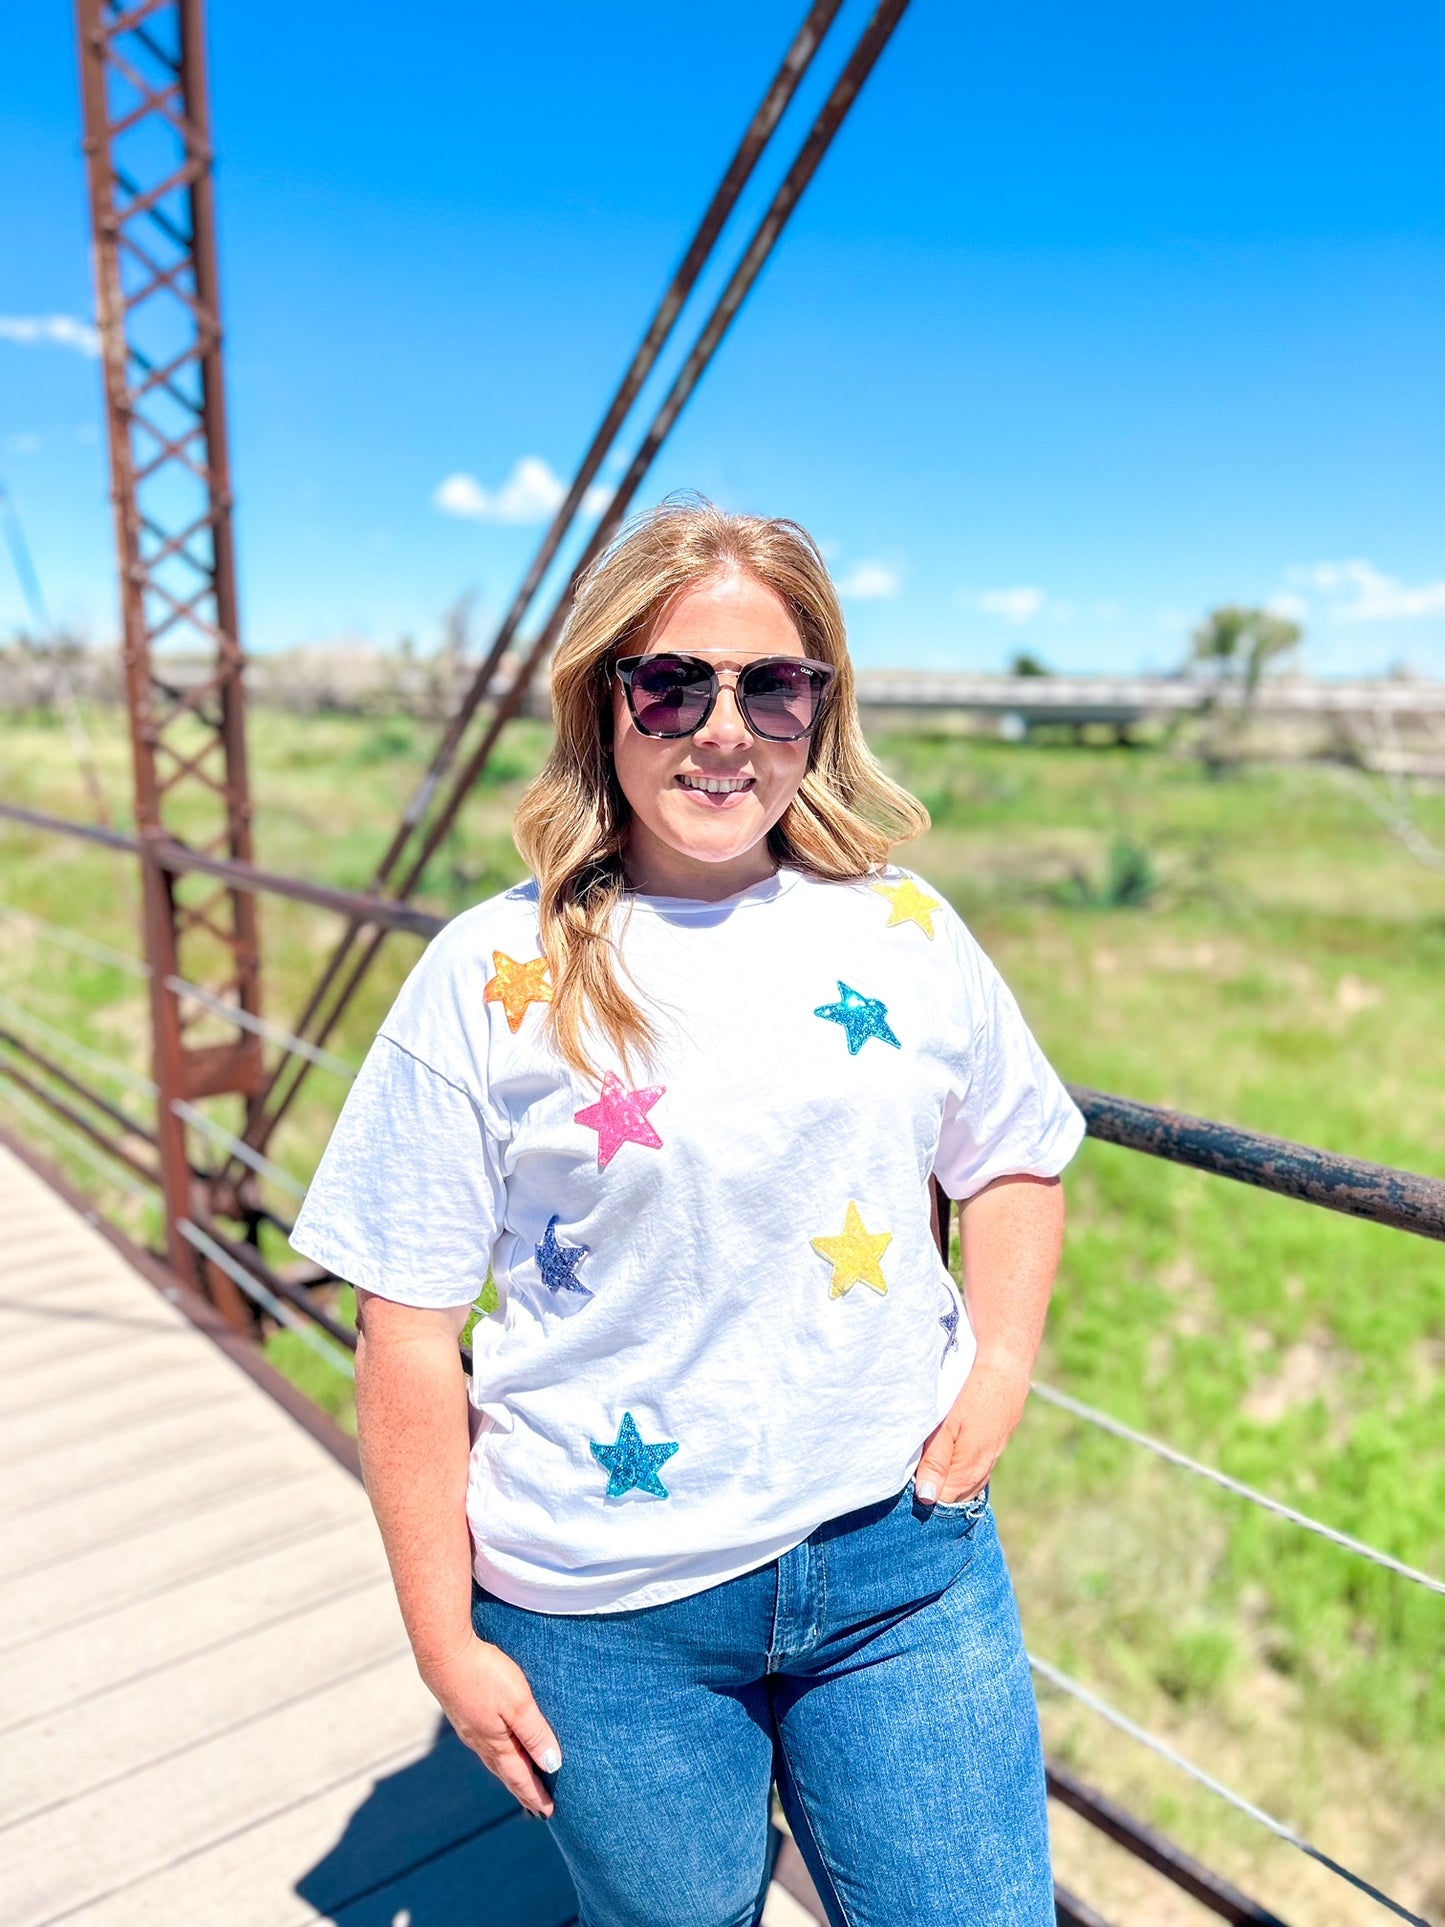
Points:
[(928, 1492), (551, 1761)]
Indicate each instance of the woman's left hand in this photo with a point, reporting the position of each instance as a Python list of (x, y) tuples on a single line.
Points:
[(963, 1450)]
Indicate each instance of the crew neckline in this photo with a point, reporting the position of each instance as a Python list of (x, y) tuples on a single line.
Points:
[(767, 891)]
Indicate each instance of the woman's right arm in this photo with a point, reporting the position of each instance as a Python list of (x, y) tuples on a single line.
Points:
[(412, 1427)]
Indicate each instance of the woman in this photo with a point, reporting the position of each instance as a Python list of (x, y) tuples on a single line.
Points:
[(720, 1515)]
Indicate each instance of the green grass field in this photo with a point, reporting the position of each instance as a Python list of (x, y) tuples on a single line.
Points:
[(1255, 947)]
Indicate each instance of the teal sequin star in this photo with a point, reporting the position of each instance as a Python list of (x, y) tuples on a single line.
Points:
[(862, 1017), (558, 1262), (630, 1463)]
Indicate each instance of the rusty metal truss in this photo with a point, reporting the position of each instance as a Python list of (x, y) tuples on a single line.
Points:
[(148, 150)]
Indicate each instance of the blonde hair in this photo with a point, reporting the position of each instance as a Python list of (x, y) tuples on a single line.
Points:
[(572, 823)]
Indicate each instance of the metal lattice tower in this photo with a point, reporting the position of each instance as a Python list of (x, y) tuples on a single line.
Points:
[(147, 141)]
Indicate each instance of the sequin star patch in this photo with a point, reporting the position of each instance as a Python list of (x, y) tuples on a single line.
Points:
[(949, 1322), (516, 986), (856, 1256), (631, 1465), (620, 1117), (558, 1262), (910, 904), (861, 1017)]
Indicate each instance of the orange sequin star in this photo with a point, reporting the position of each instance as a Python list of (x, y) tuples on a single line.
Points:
[(516, 985), (910, 904)]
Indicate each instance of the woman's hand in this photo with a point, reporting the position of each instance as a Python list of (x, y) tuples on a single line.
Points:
[(964, 1448), (486, 1697)]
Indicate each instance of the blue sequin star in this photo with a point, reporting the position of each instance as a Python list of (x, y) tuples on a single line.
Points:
[(558, 1263), (862, 1017), (949, 1322), (631, 1463)]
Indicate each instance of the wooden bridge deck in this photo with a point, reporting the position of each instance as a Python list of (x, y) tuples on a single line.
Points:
[(208, 1712)]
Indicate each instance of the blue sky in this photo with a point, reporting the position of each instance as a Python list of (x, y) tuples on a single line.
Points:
[(1094, 317)]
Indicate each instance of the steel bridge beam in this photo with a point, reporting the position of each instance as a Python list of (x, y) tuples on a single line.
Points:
[(148, 154)]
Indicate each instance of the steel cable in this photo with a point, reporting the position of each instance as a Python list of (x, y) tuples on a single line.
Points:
[(1150, 1740), (61, 1041), (258, 1162), (259, 1027), (71, 1140), (1182, 1459), (268, 1301)]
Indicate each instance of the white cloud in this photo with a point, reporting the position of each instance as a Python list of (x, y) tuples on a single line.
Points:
[(1293, 608), (1014, 605), (870, 582), (59, 330), (531, 493), (1357, 591), (27, 442)]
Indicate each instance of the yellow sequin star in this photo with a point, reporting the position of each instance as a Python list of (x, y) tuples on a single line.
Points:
[(910, 904), (855, 1257), (516, 985)]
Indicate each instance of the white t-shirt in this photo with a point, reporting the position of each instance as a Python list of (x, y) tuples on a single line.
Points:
[(721, 1317)]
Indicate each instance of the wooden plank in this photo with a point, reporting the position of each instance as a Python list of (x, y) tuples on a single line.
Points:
[(185, 1430), (182, 1804), (129, 1354), (336, 1845), (199, 1614), (111, 1735), (120, 1402), (239, 1522), (78, 1337), (147, 1504)]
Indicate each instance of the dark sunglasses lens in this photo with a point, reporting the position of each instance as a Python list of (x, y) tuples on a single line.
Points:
[(780, 699), (669, 696)]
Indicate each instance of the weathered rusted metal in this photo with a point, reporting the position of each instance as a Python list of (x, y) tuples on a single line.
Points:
[(322, 1014), (1146, 1843), (123, 1121), (1402, 1199), (79, 1122), (179, 859), (148, 150)]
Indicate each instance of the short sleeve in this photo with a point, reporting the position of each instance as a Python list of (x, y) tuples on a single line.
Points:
[(1009, 1114), (407, 1201)]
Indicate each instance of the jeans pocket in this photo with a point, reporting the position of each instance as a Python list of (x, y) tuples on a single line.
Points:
[(969, 1509)]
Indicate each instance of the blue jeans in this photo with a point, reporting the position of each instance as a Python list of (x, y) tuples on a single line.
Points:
[(876, 1672)]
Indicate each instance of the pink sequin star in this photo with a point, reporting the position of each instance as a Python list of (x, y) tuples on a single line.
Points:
[(620, 1117)]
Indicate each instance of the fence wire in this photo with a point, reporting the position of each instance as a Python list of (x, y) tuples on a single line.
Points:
[(277, 1308), (73, 940), (71, 1140), (261, 1165), (1241, 1491), (67, 1046), (260, 1027), (1152, 1741)]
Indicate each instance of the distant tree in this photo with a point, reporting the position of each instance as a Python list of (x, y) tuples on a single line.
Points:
[(1025, 663), (1241, 643)]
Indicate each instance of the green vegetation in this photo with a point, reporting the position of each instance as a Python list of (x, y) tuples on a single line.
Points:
[(1258, 949)]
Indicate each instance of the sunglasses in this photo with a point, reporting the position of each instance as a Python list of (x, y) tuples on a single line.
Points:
[(781, 698)]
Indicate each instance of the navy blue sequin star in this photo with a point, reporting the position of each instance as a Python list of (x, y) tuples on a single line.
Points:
[(949, 1322), (558, 1263), (631, 1463), (862, 1017)]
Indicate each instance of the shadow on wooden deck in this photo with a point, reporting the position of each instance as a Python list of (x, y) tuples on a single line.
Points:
[(440, 1843)]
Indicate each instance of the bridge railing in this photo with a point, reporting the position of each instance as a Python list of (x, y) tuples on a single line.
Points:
[(42, 1066)]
